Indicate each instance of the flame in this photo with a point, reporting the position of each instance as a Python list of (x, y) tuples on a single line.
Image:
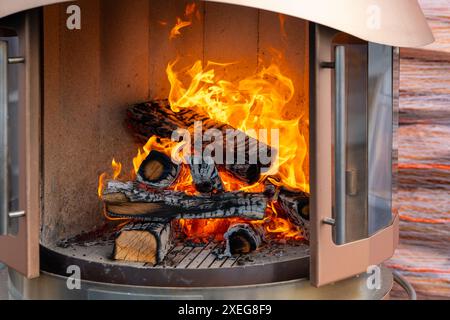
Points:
[(101, 184), (253, 103), (117, 168), (276, 226), (258, 101), (189, 12), (175, 32)]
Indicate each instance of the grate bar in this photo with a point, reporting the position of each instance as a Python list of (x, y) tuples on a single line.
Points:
[(230, 262), (181, 255), (202, 255), (190, 257)]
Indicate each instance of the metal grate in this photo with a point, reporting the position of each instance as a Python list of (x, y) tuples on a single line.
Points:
[(185, 256)]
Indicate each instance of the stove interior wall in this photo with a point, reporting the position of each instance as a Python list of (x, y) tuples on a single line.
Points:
[(119, 58)]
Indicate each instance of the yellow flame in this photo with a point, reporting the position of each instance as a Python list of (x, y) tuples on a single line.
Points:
[(154, 143), (117, 168), (175, 32), (101, 184), (189, 12), (255, 102)]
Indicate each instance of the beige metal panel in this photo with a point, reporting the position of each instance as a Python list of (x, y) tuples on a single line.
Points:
[(71, 122), (372, 20), (124, 79), (398, 23), (8, 7), (91, 76)]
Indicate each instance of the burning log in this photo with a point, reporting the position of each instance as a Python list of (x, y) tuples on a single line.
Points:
[(158, 170), (143, 242), (129, 199), (242, 238), (205, 175), (156, 118), (296, 206)]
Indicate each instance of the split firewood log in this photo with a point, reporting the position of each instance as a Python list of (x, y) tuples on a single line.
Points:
[(156, 118), (158, 170), (143, 242), (205, 175), (134, 200), (242, 238), (296, 207)]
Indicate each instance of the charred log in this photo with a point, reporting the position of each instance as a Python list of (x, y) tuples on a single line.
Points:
[(134, 200), (205, 175), (158, 170), (156, 118), (242, 238), (296, 206), (143, 242)]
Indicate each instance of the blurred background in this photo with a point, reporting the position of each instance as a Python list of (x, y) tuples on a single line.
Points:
[(423, 200)]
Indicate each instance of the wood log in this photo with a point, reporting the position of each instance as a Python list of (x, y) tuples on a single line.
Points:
[(242, 238), (143, 242), (205, 175), (156, 118), (158, 170), (134, 200), (296, 207)]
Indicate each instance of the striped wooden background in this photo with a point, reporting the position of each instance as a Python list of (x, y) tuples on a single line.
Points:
[(424, 161)]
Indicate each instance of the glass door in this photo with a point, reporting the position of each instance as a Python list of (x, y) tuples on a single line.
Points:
[(20, 142)]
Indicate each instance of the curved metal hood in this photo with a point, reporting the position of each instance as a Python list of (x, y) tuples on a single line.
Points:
[(393, 22)]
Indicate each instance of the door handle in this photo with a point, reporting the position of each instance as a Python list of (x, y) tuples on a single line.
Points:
[(4, 150), (340, 158), (4, 194)]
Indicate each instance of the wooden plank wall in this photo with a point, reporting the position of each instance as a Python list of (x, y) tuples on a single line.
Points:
[(424, 161), (119, 57)]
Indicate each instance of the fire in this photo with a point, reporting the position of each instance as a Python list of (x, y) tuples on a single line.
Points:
[(255, 102), (175, 32), (190, 11), (117, 168)]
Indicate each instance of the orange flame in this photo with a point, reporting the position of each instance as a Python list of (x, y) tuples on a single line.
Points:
[(189, 12), (175, 32), (253, 103), (101, 184), (259, 101), (117, 168)]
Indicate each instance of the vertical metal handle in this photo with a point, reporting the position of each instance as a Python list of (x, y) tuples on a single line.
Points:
[(4, 196), (340, 145)]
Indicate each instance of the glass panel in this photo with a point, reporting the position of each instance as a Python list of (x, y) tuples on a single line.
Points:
[(351, 152), (363, 138), (380, 136), (13, 133)]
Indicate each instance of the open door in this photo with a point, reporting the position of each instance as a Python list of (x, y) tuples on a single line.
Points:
[(20, 142), (352, 112)]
